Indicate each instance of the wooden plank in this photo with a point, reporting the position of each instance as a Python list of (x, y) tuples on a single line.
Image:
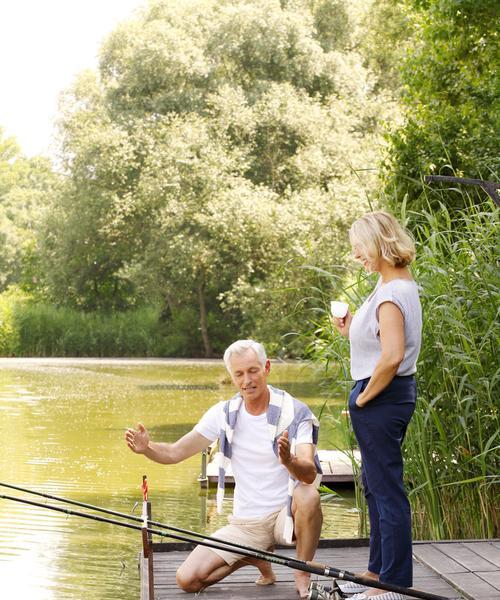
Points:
[(348, 545), (466, 557), (493, 578), (487, 550), (435, 584), (473, 586), (461, 564), (168, 570), (143, 569), (432, 556)]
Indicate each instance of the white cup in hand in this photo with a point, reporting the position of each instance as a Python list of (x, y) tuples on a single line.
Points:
[(339, 309)]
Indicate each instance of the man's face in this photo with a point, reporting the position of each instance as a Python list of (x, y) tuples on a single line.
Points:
[(248, 374)]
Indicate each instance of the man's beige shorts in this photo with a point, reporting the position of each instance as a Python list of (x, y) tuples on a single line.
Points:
[(261, 533)]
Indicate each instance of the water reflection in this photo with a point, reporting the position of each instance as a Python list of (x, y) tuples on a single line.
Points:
[(170, 432), (62, 430)]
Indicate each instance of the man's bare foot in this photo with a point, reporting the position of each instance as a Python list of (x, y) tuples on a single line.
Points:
[(268, 580), (267, 576), (302, 581)]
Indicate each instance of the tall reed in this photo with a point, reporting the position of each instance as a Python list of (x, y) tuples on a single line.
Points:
[(453, 448), (332, 351), (37, 329)]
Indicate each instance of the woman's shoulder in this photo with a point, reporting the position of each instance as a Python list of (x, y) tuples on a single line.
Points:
[(399, 289), (399, 283)]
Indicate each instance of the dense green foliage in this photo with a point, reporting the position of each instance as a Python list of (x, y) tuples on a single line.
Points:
[(217, 145), (224, 146), (452, 445), (450, 97), (30, 328), (26, 187)]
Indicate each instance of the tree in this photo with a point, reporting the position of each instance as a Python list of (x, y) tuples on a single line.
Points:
[(26, 187), (218, 141), (450, 98)]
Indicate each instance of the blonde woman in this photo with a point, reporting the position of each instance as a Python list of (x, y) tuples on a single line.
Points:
[(385, 337)]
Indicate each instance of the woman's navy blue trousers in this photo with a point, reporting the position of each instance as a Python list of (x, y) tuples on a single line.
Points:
[(380, 427)]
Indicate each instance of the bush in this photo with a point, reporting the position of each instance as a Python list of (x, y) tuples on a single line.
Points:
[(449, 97)]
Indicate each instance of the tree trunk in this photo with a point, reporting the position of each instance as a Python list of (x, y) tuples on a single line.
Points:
[(203, 319)]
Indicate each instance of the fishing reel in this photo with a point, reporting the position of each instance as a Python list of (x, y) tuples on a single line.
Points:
[(317, 591)]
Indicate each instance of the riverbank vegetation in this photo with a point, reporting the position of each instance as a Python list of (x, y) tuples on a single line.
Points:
[(206, 177)]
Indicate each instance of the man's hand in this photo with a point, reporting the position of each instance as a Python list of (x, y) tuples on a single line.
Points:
[(284, 453), (137, 439), (301, 464), (166, 454)]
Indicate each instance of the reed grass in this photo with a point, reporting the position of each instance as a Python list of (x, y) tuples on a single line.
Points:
[(452, 453), (30, 328), (452, 447)]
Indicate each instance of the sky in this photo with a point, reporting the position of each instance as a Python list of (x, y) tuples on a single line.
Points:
[(44, 44)]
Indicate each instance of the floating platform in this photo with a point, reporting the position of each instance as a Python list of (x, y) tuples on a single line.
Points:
[(337, 467), (466, 569)]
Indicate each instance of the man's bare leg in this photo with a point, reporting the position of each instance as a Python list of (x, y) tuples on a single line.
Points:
[(308, 518), (203, 568), (200, 569), (267, 576)]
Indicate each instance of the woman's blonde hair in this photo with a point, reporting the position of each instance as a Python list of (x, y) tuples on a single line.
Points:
[(379, 235)]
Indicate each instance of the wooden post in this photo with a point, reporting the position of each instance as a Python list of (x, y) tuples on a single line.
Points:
[(203, 479), (147, 537), (151, 577)]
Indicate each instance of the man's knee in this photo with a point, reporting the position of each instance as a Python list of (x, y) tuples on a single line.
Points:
[(306, 499), (187, 580)]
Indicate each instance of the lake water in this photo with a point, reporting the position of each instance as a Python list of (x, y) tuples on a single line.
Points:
[(62, 425)]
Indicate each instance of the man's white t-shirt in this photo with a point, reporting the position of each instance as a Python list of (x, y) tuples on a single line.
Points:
[(261, 481)]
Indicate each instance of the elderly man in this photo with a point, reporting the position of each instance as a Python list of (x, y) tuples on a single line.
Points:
[(269, 438)]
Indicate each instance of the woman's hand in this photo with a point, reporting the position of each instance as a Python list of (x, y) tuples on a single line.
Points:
[(360, 403), (343, 324)]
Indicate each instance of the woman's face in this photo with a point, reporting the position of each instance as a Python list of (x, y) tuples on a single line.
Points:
[(370, 264)]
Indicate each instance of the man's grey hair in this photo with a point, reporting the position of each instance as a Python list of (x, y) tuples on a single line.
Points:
[(240, 347)]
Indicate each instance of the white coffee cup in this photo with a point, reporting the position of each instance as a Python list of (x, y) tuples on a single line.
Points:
[(339, 309)]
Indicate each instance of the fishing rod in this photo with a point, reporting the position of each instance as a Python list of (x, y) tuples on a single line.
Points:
[(293, 563)]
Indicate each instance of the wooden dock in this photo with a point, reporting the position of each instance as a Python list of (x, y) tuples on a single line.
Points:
[(459, 569), (336, 465), (471, 566)]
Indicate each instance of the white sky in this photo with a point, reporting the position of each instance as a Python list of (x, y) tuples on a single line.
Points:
[(43, 45)]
